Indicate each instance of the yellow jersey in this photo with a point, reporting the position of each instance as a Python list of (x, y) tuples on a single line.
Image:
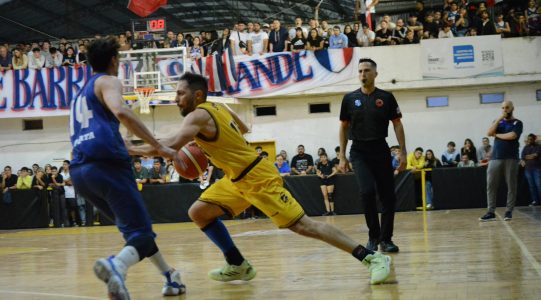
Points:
[(228, 150)]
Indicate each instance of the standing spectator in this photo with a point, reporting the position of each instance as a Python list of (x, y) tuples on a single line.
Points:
[(532, 18), (46, 52), (36, 61), (465, 162), (450, 157), (384, 35), (157, 173), (282, 166), (277, 37), (258, 40), (431, 162), (431, 29), (351, 35), (416, 160), (462, 23), (9, 180), (368, 12), (284, 155), (502, 27), (445, 31), (125, 44), (5, 59), (302, 163), (484, 150), (415, 26), (24, 182), (69, 195), (389, 21), (531, 161), (487, 26), (170, 39), (298, 43), (196, 51), (19, 60), (181, 42), (470, 150), (39, 182), (298, 24), (239, 40), (366, 37), (420, 10), (56, 58), (365, 117), (506, 130), (326, 32), (314, 41), (399, 32), (81, 55), (326, 171)]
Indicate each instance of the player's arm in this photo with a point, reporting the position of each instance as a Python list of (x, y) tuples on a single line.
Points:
[(242, 126), (109, 88), (401, 137)]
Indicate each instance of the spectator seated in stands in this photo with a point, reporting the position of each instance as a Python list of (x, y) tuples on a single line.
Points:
[(140, 173), (6, 60), (465, 162), (395, 154), (502, 27), (366, 37), (484, 150), (157, 173), (326, 172), (487, 27), (415, 26), (399, 32), (445, 31), (24, 182), (19, 60), (69, 59), (384, 35), (470, 150), (319, 152), (533, 19), (284, 155), (410, 38), (450, 157), (282, 166), (302, 163), (81, 55), (56, 57), (338, 40), (172, 173), (416, 160), (431, 29), (9, 180), (36, 60)]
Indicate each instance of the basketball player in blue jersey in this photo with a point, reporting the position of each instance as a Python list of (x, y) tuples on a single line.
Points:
[(102, 174), (249, 180)]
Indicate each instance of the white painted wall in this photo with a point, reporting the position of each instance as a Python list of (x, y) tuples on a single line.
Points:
[(430, 128)]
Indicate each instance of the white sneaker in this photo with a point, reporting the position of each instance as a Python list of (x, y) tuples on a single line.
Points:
[(173, 286), (231, 272), (113, 275), (379, 266)]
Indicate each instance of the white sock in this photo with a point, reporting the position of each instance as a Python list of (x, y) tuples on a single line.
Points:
[(159, 262), (126, 258)]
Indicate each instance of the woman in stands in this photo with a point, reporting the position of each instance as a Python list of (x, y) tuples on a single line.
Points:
[(352, 36), (314, 41), (431, 162), (469, 149), (69, 58), (180, 41), (19, 60), (196, 51), (326, 172)]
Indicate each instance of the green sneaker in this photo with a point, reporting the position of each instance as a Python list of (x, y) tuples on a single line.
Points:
[(379, 266), (231, 272)]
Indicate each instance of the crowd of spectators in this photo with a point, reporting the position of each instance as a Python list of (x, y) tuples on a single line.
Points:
[(455, 18)]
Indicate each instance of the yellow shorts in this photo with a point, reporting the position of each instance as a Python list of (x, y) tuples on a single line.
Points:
[(263, 188)]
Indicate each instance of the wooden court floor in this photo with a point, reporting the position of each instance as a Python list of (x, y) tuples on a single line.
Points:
[(444, 255)]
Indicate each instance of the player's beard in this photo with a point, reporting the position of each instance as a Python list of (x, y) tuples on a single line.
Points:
[(188, 109)]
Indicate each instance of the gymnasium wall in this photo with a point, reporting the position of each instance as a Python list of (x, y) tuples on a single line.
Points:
[(293, 125)]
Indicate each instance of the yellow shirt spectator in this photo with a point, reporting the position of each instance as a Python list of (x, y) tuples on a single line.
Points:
[(24, 182), (416, 160)]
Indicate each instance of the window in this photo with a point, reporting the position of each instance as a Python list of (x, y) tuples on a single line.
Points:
[(33, 124), (437, 101), (492, 98), (538, 95), (265, 111), (320, 108)]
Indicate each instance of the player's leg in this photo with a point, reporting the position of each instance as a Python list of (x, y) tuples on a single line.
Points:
[(326, 200), (220, 198)]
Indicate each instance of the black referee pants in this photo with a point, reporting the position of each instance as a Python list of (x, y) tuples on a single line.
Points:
[(372, 165)]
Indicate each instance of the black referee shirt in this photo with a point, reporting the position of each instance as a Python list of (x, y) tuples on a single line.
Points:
[(369, 115)]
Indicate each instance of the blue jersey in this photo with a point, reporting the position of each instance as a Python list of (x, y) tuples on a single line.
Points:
[(94, 129), (507, 149)]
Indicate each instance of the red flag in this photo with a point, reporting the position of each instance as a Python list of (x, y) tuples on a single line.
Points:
[(491, 3), (144, 8)]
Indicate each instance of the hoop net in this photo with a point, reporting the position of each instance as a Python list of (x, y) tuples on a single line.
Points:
[(144, 95)]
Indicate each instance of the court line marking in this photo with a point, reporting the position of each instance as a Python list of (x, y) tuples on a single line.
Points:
[(535, 264), (49, 294)]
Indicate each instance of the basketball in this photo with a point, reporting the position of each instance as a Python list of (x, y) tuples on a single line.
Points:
[(194, 160)]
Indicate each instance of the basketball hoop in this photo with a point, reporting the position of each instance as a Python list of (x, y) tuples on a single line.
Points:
[(144, 95)]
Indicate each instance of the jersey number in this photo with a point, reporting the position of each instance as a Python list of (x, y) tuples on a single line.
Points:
[(81, 114)]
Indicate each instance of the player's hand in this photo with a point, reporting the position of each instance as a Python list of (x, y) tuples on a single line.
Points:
[(166, 152), (403, 160)]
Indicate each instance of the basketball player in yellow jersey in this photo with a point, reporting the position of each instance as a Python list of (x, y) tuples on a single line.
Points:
[(249, 180)]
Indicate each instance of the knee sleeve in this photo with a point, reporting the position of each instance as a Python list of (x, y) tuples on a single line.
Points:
[(331, 197), (145, 246)]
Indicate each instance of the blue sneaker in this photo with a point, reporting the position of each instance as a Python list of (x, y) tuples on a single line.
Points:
[(173, 286), (113, 274)]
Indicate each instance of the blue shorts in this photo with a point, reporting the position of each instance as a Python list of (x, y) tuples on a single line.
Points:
[(112, 189)]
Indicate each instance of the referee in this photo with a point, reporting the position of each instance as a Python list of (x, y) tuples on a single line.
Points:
[(365, 116)]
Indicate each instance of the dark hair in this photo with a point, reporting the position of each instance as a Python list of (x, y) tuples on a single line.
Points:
[(298, 29), (324, 154), (241, 22), (336, 27), (337, 149), (101, 51), (136, 160), (533, 136), (67, 161), (451, 143), (196, 82), (7, 167), (54, 168), (264, 153), (258, 147), (419, 149), (52, 50), (36, 49), (368, 60), (25, 169), (300, 146)]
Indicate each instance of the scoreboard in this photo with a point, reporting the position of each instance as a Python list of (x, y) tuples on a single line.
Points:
[(151, 29)]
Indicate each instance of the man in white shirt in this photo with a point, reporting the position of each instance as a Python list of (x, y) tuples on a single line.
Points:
[(56, 57), (69, 194), (36, 60), (365, 37), (239, 40), (258, 41), (293, 30)]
